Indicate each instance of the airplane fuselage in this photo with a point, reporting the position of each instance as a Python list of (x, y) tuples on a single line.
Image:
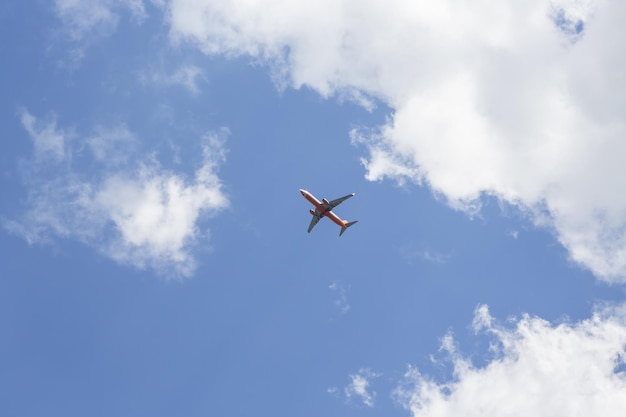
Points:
[(321, 208)]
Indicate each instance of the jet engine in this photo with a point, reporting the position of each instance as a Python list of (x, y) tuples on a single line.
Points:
[(325, 201), (312, 212)]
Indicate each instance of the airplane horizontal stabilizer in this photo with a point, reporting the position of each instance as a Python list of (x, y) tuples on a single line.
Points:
[(343, 229)]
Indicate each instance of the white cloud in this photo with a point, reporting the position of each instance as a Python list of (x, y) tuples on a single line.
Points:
[(133, 210), (521, 99), (538, 369), (359, 387)]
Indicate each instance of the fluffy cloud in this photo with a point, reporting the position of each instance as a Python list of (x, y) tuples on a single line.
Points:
[(538, 369), (522, 100), (133, 210)]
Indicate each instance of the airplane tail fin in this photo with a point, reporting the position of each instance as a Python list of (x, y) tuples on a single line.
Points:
[(344, 228)]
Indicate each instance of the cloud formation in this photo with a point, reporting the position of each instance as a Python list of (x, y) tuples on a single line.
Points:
[(359, 387), (86, 21), (538, 369), (522, 100), (132, 209)]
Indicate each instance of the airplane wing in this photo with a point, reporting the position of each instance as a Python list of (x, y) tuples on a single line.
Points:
[(314, 221), (340, 200)]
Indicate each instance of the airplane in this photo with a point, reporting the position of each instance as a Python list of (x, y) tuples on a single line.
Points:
[(324, 209)]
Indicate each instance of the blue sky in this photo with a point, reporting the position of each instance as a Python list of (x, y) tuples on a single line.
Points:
[(155, 260)]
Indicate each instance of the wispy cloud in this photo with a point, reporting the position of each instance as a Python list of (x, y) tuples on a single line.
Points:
[(359, 387), (130, 208), (84, 17), (341, 297), (48, 141), (187, 76), (538, 369), (522, 100), (112, 147), (434, 257), (85, 21), (409, 253)]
